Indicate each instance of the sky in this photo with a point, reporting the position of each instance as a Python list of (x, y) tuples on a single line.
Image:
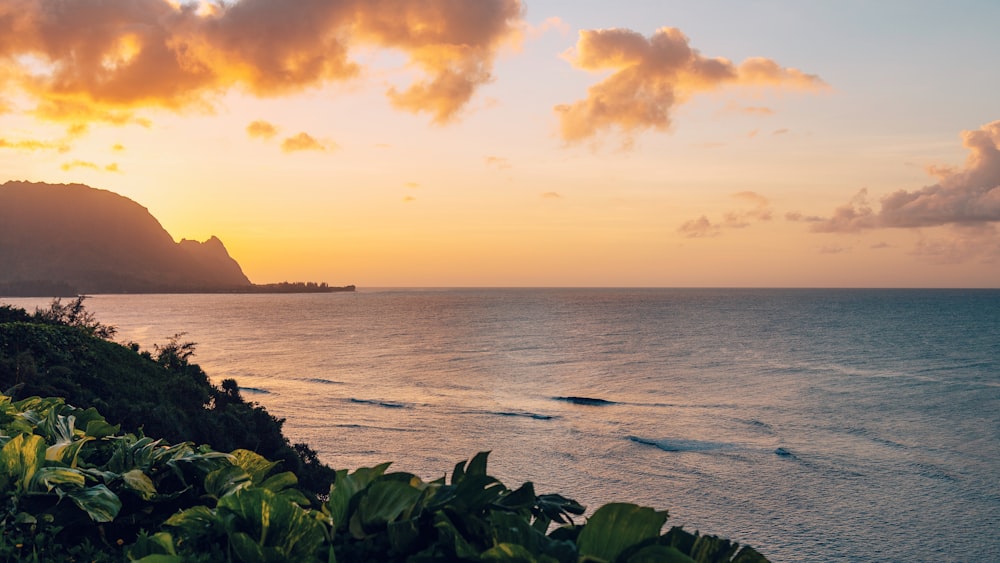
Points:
[(447, 143)]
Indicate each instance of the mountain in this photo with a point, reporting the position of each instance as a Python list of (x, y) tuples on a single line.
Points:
[(64, 239)]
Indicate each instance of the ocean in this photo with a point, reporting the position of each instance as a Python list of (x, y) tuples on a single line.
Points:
[(813, 424)]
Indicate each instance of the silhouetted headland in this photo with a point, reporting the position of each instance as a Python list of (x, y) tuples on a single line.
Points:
[(67, 239)]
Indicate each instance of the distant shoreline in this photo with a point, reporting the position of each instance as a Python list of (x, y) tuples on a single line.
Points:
[(65, 290)]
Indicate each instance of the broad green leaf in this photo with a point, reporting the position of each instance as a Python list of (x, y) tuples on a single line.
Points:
[(345, 487), (226, 480), (475, 466), (246, 548), (617, 526), (48, 478), (711, 548), (272, 522), (194, 522), (160, 543), (523, 497), (383, 502), (279, 482), (451, 537), (101, 429), (257, 466), (98, 502), (20, 458), (510, 528), (139, 482), (66, 452)]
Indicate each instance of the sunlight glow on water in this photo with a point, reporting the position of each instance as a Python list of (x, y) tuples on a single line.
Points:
[(815, 425)]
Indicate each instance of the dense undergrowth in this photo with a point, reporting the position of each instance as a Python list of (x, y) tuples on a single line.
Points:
[(75, 487)]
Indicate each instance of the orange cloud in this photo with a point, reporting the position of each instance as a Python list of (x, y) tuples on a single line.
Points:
[(760, 210), (551, 195), (33, 145), (79, 164), (302, 142), (651, 76), (99, 61), (699, 228), (261, 129), (969, 196)]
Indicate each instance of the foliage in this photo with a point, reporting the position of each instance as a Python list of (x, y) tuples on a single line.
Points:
[(74, 487), (76, 315), (68, 476), (63, 351)]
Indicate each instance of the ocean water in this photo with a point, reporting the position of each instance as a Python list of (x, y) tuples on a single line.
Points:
[(814, 425)]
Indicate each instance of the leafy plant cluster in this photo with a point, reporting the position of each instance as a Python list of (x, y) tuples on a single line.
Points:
[(63, 351), (74, 487)]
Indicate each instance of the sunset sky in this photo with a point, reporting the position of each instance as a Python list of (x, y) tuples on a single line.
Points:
[(539, 143)]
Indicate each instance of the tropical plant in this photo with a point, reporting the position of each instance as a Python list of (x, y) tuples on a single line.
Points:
[(74, 487)]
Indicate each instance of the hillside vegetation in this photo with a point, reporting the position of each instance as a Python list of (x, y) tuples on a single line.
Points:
[(109, 453)]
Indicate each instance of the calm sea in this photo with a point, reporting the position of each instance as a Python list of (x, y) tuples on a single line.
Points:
[(815, 425)]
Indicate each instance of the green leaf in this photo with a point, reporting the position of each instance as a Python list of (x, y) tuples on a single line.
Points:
[(48, 478), (271, 522), (616, 527), (246, 548), (279, 482), (344, 489), (139, 482), (257, 466), (383, 502), (101, 429), (475, 466), (20, 458), (226, 480), (194, 522), (98, 502), (160, 543)]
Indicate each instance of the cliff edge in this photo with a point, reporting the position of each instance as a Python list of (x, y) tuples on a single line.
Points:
[(64, 239)]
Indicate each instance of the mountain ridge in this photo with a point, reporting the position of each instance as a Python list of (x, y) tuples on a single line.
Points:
[(80, 239)]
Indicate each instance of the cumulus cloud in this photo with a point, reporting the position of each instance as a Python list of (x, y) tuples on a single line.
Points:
[(699, 228), (97, 61), (755, 208), (968, 196), (302, 142), (261, 130), (650, 76)]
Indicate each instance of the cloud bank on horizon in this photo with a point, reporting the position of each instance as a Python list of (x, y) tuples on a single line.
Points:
[(966, 197), (98, 61)]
